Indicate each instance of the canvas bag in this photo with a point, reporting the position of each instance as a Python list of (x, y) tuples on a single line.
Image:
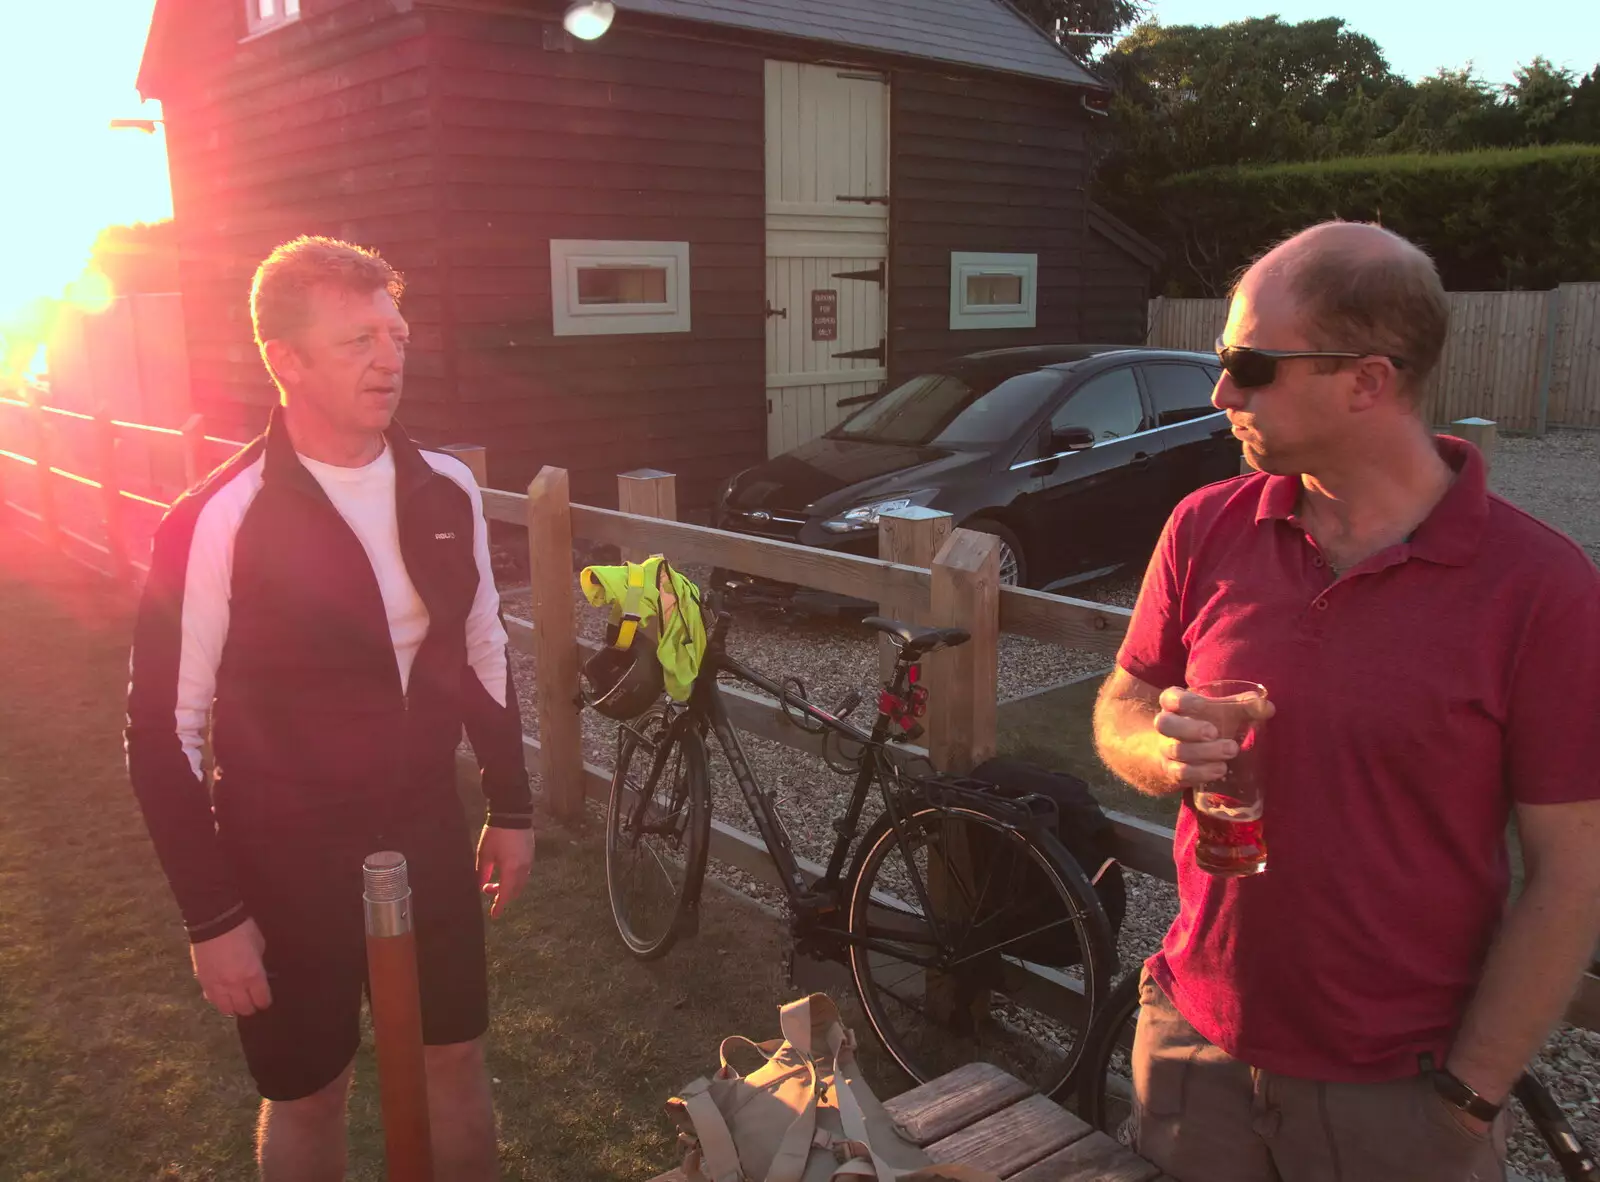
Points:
[(804, 1115)]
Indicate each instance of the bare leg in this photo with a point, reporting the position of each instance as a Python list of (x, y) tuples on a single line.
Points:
[(461, 1113), (304, 1140)]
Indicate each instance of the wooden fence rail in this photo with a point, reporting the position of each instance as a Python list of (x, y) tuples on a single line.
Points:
[(959, 585), (101, 444), (1526, 359)]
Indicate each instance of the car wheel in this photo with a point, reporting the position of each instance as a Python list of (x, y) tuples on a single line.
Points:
[(1013, 564)]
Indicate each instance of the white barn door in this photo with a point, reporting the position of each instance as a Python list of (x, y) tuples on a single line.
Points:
[(827, 245)]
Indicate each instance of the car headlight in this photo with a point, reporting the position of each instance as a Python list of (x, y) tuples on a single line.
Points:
[(865, 517), (727, 489)]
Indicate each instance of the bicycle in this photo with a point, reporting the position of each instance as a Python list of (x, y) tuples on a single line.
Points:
[(1105, 1088), (969, 931)]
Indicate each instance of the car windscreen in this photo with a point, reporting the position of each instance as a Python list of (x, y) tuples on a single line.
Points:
[(956, 409)]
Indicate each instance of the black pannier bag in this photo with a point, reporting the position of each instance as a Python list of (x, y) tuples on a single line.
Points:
[(1083, 828)]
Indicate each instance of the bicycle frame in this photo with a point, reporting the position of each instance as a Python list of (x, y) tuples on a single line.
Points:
[(706, 709), (707, 698)]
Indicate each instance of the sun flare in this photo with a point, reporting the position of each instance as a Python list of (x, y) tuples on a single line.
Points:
[(69, 174)]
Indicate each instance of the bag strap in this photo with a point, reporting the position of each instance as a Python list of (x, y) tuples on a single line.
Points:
[(794, 1150), (799, 1018), (767, 1050), (717, 1151)]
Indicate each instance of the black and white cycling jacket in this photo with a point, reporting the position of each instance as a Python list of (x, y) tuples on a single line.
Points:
[(262, 611)]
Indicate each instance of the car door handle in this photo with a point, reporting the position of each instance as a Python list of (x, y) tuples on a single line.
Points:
[(1141, 459)]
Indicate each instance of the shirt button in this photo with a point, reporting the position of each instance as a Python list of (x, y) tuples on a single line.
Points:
[(1317, 562), (1322, 605)]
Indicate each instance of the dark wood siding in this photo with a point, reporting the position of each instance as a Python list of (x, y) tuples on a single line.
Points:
[(320, 127), (981, 165), (633, 137), (1117, 288)]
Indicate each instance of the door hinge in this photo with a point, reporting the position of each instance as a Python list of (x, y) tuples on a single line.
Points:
[(877, 353), (871, 275)]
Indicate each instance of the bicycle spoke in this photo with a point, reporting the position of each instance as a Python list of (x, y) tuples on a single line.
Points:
[(1007, 934)]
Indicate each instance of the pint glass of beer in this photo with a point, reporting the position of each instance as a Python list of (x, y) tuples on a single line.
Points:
[(1231, 843)]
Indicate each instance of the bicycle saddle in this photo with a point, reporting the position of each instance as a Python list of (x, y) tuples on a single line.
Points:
[(915, 641)]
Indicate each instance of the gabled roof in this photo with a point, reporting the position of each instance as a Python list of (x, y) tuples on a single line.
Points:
[(978, 34), (1117, 231), (984, 34)]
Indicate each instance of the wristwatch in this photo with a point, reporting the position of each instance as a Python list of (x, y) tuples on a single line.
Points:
[(1459, 1095)]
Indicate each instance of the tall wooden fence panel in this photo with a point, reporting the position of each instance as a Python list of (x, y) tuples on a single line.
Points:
[(1186, 324), (1524, 359), (1492, 359), (1575, 366)]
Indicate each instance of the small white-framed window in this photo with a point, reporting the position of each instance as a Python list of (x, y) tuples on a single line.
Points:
[(264, 15), (605, 288), (993, 290)]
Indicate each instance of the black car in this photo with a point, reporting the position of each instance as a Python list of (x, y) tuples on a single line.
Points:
[(1071, 455)]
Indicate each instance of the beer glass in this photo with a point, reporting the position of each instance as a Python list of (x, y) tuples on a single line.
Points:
[(1229, 811)]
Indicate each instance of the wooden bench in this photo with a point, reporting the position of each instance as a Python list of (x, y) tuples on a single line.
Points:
[(979, 1116)]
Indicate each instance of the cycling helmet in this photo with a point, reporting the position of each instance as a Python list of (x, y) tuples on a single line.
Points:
[(623, 683)]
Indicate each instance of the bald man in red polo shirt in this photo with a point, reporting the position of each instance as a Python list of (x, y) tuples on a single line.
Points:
[(1361, 1010)]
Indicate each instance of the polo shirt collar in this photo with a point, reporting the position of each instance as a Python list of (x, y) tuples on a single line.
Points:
[(1451, 533)]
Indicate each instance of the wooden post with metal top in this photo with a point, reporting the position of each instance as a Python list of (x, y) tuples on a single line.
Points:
[(912, 536), (397, 1019)]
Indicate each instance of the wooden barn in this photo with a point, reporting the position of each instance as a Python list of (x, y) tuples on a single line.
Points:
[(684, 244)]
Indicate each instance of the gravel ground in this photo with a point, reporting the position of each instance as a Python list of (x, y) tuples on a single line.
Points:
[(1556, 478)]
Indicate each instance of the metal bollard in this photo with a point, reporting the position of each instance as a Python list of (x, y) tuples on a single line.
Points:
[(397, 1019)]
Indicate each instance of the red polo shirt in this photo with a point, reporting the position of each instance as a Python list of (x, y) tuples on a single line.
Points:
[(1419, 697)]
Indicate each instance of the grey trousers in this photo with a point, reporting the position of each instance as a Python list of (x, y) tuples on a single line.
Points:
[(1203, 1116)]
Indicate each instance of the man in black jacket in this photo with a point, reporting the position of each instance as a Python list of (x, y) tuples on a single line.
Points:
[(325, 598)]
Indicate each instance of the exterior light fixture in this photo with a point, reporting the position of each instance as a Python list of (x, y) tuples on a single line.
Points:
[(589, 19)]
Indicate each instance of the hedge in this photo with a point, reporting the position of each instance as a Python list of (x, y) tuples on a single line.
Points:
[(1526, 218)]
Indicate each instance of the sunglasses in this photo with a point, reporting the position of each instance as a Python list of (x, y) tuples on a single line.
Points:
[(1259, 367)]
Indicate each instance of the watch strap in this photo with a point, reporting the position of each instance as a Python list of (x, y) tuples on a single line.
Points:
[(1458, 1095)]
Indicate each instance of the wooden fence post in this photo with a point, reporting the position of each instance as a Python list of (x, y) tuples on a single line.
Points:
[(555, 643), (194, 450), (964, 681), (475, 456), (911, 536), (105, 439), (647, 493), (1547, 358), (1481, 433), (44, 456)]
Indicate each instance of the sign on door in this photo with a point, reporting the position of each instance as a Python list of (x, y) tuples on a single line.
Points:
[(825, 315)]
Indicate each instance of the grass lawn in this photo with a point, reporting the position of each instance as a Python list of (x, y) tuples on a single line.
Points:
[(111, 1065), (1055, 730)]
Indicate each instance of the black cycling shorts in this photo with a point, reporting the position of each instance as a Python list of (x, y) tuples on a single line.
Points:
[(303, 884)]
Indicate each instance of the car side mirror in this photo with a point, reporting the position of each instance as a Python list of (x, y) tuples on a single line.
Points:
[(1071, 439)]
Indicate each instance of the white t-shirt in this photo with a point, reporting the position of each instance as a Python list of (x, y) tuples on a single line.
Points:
[(365, 499)]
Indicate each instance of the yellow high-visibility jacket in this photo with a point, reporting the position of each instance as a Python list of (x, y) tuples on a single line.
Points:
[(640, 592)]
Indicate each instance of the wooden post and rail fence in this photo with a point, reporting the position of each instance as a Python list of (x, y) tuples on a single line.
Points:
[(928, 573)]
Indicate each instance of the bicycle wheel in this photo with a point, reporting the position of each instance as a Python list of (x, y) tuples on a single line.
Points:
[(1105, 1077), (1008, 967), (658, 824)]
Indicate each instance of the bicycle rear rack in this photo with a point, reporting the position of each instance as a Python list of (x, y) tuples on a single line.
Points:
[(1024, 812)]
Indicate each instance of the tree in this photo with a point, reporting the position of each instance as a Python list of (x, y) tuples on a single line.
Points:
[(1062, 18), (1538, 98), (1580, 122), (1449, 111), (1256, 91), (141, 257)]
